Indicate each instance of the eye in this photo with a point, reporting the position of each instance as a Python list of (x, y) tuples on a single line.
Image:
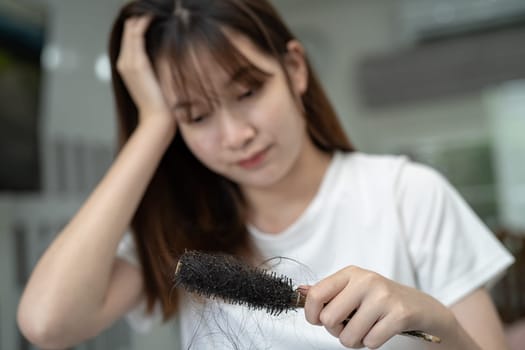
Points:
[(249, 92), (198, 118), (246, 94)]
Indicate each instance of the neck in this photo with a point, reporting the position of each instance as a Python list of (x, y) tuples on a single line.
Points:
[(274, 208)]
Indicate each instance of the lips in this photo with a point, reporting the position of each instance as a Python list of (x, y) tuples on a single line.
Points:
[(255, 160)]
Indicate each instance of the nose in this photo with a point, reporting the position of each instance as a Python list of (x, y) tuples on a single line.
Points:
[(237, 132)]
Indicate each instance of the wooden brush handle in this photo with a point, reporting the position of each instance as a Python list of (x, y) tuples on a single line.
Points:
[(300, 298)]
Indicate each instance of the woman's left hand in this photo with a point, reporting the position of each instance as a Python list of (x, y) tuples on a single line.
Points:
[(380, 308)]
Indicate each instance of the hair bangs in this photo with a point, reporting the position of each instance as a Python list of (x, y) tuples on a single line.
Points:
[(230, 59), (194, 57)]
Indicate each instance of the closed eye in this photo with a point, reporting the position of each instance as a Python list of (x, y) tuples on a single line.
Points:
[(198, 118), (249, 92), (246, 94)]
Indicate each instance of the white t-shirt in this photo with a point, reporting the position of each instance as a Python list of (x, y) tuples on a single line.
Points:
[(381, 213)]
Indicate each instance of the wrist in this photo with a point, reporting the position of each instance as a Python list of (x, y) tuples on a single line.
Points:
[(160, 128), (453, 335)]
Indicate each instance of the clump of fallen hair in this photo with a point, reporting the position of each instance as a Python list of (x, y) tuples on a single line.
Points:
[(225, 277)]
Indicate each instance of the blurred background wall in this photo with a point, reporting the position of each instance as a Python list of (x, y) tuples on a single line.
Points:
[(443, 82)]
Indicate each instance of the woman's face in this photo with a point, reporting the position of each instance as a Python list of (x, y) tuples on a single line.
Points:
[(253, 135)]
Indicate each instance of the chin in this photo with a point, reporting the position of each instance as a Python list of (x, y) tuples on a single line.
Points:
[(258, 183), (262, 179)]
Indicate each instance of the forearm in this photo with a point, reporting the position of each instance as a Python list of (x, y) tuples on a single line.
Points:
[(453, 337), (474, 320), (70, 281)]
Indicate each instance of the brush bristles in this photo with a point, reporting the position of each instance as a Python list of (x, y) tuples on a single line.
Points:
[(224, 277)]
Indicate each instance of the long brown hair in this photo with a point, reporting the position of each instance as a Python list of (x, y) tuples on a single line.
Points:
[(187, 206)]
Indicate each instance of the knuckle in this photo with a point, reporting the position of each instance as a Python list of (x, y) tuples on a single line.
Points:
[(376, 339), (404, 315), (328, 319), (349, 341), (314, 296), (384, 294), (310, 316), (352, 269), (371, 279), (372, 342)]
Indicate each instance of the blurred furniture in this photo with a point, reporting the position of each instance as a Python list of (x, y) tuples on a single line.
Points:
[(509, 292), (516, 335), (73, 167)]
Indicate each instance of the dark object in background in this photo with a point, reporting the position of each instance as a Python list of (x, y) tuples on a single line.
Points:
[(509, 292), (445, 68), (20, 80)]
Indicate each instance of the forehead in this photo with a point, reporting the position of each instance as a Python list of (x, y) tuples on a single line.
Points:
[(204, 69)]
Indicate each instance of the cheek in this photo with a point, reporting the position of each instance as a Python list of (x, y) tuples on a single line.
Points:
[(278, 109), (284, 115), (200, 144)]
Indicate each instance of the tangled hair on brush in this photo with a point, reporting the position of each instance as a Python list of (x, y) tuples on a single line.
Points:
[(227, 278)]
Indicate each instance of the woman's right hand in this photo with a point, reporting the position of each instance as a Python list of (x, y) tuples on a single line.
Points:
[(137, 73)]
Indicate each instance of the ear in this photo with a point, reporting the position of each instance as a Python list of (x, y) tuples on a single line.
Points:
[(296, 66)]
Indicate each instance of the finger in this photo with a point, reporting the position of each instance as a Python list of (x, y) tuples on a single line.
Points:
[(141, 25), (335, 330), (137, 24), (340, 308), (133, 36), (127, 41), (358, 326), (381, 332), (322, 293)]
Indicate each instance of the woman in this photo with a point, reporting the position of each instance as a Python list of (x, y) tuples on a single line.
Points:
[(228, 143)]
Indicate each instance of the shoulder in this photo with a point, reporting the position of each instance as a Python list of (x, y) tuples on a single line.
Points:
[(395, 176), (421, 183), (372, 170), (359, 161)]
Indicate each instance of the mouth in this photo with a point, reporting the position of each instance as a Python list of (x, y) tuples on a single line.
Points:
[(254, 160)]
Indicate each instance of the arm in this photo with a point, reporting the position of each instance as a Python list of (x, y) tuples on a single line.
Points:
[(477, 318), (67, 293), (78, 287)]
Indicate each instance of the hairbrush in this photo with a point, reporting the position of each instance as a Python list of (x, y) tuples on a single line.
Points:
[(229, 279)]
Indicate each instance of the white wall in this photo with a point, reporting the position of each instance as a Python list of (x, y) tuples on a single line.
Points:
[(351, 29), (76, 103), (506, 117)]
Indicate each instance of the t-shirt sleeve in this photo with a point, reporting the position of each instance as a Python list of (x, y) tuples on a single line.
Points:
[(138, 319), (453, 252)]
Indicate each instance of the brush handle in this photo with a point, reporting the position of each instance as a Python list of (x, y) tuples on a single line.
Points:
[(300, 298)]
